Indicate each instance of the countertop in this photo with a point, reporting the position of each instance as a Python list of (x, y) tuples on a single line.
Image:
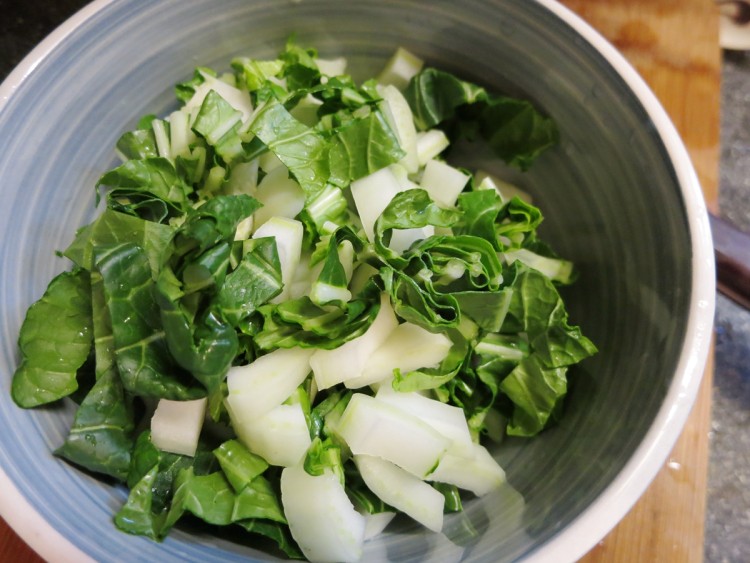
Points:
[(727, 521)]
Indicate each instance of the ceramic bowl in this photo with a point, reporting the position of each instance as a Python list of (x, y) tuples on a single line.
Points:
[(619, 194)]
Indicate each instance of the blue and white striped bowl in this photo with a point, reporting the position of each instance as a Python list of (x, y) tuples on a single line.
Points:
[(619, 195)]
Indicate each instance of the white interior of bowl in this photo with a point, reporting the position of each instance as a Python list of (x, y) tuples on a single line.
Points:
[(568, 542)]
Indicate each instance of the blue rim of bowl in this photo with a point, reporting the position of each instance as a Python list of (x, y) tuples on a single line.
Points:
[(29, 524), (577, 538)]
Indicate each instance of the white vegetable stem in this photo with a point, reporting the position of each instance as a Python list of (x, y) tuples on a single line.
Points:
[(347, 361), (477, 472), (257, 388), (400, 69), (176, 425), (443, 182), (398, 115), (288, 235), (409, 347), (448, 420), (430, 144), (487, 181), (332, 67), (372, 194), (373, 427), (280, 195), (281, 436), (238, 99), (322, 519), (402, 490)]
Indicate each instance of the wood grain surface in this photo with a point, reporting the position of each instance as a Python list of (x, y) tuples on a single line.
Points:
[(674, 46)]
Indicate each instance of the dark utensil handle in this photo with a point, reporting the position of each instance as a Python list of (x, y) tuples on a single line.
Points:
[(732, 249)]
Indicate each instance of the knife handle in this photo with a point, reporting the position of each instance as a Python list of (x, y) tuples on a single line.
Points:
[(732, 250)]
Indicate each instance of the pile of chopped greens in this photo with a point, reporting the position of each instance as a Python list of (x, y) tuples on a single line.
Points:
[(224, 327)]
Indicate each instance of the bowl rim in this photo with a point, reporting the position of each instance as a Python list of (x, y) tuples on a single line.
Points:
[(601, 516)]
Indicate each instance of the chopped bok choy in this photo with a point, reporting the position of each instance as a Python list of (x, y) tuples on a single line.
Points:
[(293, 317)]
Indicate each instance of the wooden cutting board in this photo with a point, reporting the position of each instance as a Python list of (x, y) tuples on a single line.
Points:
[(674, 45)]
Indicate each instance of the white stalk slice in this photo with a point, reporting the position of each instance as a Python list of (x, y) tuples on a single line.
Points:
[(280, 195), (288, 235), (402, 239), (255, 389), (322, 519), (332, 67), (372, 427), (400, 69), (403, 491), (331, 367), (269, 161), (409, 347), (507, 191), (180, 134), (478, 473), (162, 138), (376, 523), (430, 144), (398, 114), (244, 229), (243, 178), (304, 276), (324, 293), (176, 425), (448, 420), (346, 257), (443, 182), (553, 268), (372, 194), (281, 436), (238, 99), (402, 176)]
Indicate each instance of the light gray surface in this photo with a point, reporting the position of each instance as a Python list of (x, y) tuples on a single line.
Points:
[(728, 514)]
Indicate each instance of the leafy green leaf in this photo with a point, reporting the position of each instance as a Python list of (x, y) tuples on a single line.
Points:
[(113, 227), (138, 144), (239, 464), (252, 73), (55, 341), (209, 497), (143, 360), (101, 437), (535, 392), (258, 499), (145, 182), (213, 222), (275, 531), (136, 516), (434, 95), (360, 147), (513, 128), (302, 149), (255, 281), (300, 69)]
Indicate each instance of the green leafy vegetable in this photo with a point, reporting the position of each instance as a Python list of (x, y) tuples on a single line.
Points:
[(514, 129), (52, 352), (177, 292)]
